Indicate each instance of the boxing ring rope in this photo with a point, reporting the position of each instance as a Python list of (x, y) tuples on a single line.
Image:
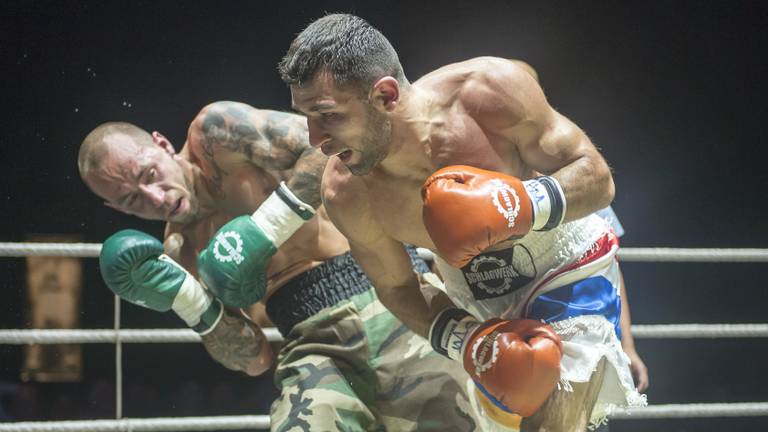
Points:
[(144, 424), (118, 336), (80, 336), (32, 336), (78, 250), (753, 255), (262, 421)]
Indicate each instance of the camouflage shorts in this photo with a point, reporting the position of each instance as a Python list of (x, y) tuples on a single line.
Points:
[(355, 367)]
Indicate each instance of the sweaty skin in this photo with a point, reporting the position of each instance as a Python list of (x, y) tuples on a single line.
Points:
[(486, 112), (240, 164), (233, 158)]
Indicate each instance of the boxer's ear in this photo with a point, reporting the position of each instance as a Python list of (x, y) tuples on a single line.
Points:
[(161, 141), (385, 94)]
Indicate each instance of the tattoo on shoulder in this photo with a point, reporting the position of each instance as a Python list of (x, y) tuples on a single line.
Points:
[(235, 342), (214, 130), (270, 139)]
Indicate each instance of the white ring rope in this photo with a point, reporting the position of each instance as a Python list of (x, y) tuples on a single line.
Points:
[(81, 250), (693, 255), (741, 409), (119, 336), (77, 336), (143, 424), (690, 331), (91, 250), (695, 410), (745, 255)]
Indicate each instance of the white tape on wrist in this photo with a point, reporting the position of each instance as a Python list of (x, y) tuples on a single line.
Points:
[(276, 219), (548, 202), (449, 332), (458, 335), (542, 204), (192, 299)]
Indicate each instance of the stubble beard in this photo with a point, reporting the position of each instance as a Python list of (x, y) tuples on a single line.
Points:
[(375, 143)]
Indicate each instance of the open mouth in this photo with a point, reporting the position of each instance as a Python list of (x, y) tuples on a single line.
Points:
[(176, 208)]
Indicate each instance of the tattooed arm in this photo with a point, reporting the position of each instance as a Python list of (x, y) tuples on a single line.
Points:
[(239, 344), (232, 132)]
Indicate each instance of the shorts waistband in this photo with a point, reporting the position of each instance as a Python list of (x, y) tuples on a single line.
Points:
[(337, 279)]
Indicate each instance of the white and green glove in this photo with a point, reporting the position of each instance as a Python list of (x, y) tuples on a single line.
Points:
[(135, 268), (234, 265)]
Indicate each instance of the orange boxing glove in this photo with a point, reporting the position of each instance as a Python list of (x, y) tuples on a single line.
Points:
[(517, 362), (467, 209)]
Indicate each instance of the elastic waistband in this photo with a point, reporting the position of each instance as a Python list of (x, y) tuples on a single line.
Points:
[(337, 279)]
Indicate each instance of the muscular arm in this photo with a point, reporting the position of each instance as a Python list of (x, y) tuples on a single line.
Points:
[(229, 133), (387, 265), (239, 344), (507, 101), (637, 366), (384, 259)]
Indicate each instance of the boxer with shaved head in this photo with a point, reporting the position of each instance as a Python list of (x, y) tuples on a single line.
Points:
[(245, 226)]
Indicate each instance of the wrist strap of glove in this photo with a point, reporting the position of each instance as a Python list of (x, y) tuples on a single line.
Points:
[(548, 200), (450, 331), (305, 211), (281, 214), (193, 303), (210, 318)]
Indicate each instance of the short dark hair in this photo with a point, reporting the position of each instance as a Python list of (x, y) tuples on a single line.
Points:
[(354, 52)]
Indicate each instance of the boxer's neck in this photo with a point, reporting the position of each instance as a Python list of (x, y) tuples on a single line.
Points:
[(202, 188), (410, 132)]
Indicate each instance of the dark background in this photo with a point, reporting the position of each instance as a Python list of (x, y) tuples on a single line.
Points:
[(674, 93)]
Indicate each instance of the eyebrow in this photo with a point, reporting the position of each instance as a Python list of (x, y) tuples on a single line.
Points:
[(316, 107), (125, 197)]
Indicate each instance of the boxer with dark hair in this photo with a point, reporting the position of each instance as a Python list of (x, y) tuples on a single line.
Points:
[(473, 163)]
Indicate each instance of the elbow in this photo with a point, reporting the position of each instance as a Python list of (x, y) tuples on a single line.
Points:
[(609, 189), (261, 364), (605, 189), (258, 364)]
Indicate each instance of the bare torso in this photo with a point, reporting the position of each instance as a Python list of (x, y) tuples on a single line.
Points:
[(243, 189), (453, 136)]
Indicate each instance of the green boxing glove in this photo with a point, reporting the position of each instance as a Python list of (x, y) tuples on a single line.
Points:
[(135, 268), (234, 265)]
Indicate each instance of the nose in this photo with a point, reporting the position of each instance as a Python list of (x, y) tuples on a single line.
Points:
[(155, 194), (317, 135)]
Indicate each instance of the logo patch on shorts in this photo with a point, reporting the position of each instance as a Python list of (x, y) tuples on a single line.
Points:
[(494, 274), (228, 247)]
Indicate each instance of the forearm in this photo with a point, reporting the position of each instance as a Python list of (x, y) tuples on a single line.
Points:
[(304, 182), (416, 304), (625, 320), (588, 186), (239, 344)]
